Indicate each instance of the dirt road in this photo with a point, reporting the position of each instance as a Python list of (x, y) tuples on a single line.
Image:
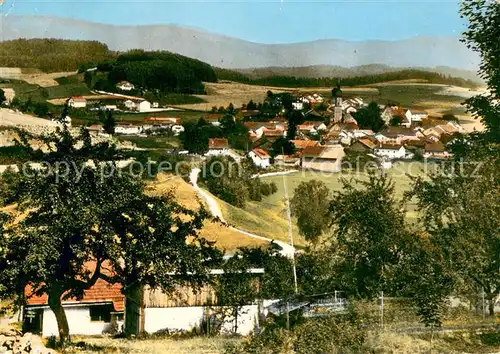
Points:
[(9, 117), (216, 211)]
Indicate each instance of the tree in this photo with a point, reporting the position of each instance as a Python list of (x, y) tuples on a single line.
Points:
[(80, 219), (370, 117), (227, 124), (88, 78), (283, 146), (482, 36), (226, 179), (450, 117), (369, 234), (460, 204), (108, 121), (2, 97), (310, 206), (396, 120), (251, 106), (193, 138), (230, 109), (41, 109), (294, 118), (462, 215)]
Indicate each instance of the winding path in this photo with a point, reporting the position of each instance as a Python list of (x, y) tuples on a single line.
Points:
[(216, 211)]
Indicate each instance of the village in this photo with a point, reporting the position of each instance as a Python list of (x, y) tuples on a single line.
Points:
[(327, 130)]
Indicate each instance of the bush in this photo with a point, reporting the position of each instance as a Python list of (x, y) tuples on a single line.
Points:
[(319, 335)]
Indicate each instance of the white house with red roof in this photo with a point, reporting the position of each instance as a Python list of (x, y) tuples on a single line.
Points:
[(77, 102), (260, 158)]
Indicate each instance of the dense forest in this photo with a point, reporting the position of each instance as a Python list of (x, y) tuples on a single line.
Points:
[(52, 55), (291, 81), (164, 72)]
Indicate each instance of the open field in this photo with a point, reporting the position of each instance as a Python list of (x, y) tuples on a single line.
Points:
[(9, 118), (412, 94), (152, 142), (224, 237), (268, 218), (33, 76)]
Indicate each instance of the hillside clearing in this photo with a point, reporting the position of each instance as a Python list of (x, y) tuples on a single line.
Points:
[(224, 237)]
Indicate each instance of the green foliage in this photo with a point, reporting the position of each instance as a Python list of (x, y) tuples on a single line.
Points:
[(51, 55), (231, 181), (309, 205), (2, 97), (370, 117), (369, 234), (395, 121), (461, 213), (76, 214), (108, 121), (195, 136), (323, 335), (450, 117), (283, 146), (163, 72), (482, 36), (10, 155), (41, 109), (295, 81)]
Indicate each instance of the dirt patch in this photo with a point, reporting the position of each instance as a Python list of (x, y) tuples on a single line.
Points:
[(9, 117), (34, 76)]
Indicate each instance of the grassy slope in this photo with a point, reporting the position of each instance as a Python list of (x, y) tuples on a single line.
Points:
[(268, 218), (153, 142), (224, 237)]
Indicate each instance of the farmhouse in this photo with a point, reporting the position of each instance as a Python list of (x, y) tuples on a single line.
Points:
[(363, 145), (287, 160), (95, 129), (260, 158), (323, 158), (398, 135), (125, 86), (302, 144), (138, 105), (77, 102), (96, 313), (414, 115), (390, 151), (101, 311), (127, 129), (217, 146), (435, 151), (213, 118)]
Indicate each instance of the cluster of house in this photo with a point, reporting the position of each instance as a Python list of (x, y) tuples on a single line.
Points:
[(130, 103), (150, 125), (322, 146)]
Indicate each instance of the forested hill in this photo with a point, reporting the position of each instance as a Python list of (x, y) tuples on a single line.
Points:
[(292, 81), (52, 55), (159, 71)]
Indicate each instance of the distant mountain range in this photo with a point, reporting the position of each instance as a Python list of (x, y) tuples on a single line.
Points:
[(323, 57)]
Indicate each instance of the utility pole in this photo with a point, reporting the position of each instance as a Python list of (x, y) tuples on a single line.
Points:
[(290, 236)]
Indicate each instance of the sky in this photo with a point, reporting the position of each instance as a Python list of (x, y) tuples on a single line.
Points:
[(271, 21)]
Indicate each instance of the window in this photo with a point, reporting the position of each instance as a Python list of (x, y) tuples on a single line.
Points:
[(101, 313)]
